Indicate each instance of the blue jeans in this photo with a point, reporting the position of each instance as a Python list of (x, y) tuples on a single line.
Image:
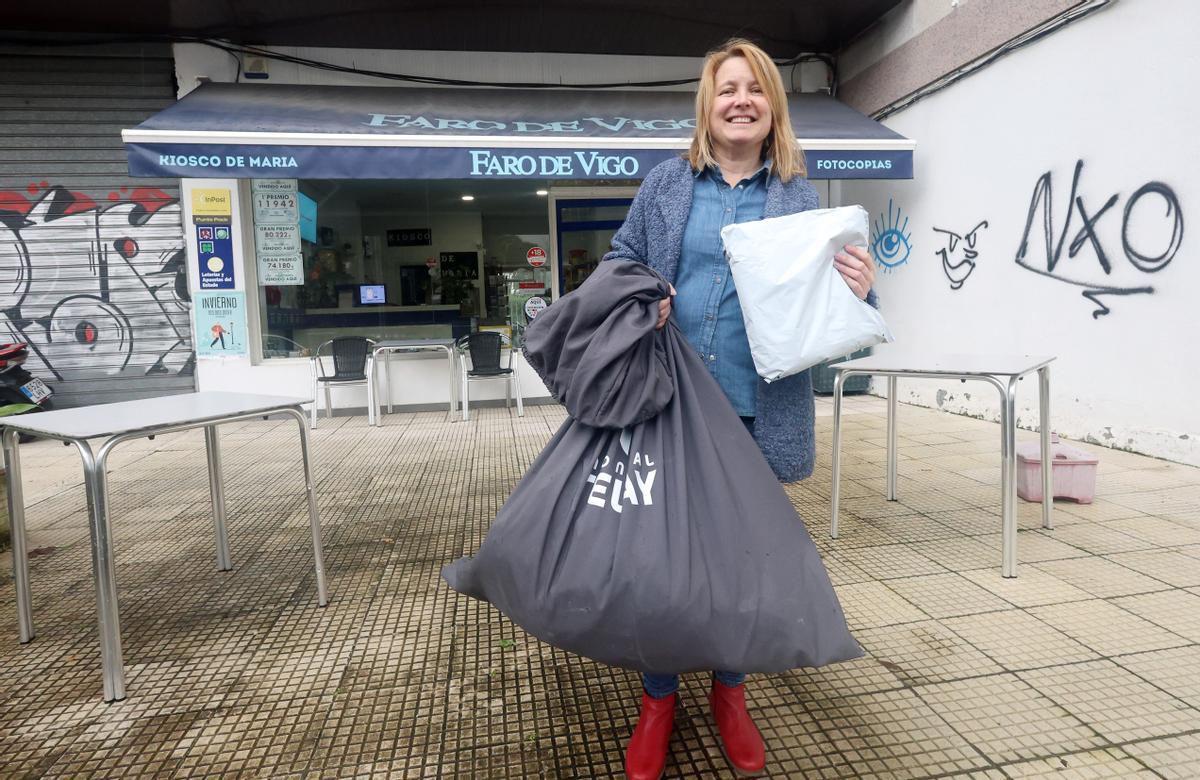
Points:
[(660, 686)]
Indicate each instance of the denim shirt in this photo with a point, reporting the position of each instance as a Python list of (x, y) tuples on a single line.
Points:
[(706, 305)]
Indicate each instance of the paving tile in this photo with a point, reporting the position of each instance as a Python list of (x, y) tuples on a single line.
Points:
[(889, 561), (926, 501), (1106, 628), (986, 475), (1176, 671), (913, 528), (1031, 587), (947, 595), (1006, 719), (796, 744), (1094, 765), (976, 521), (1100, 539), (142, 747), (894, 734), (1029, 513), (1156, 530), (1174, 610), (871, 604), (1174, 567), (1088, 691), (1036, 546), (264, 738), (925, 652), (1168, 502), (875, 506), (1101, 577), (1097, 511), (1018, 640), (859, 676), (852, 532), (960, 554), (842, 572), (1173, 757)]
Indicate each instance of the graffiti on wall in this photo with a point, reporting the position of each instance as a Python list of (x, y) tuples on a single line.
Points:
[(1148, 248), (95, 288), (891, 243), (959, 253)]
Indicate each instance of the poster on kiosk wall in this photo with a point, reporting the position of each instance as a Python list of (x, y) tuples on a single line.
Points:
[(220, 322), (212, 219)]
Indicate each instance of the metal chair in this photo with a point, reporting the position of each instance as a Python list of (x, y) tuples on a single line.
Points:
[(351, 359), (483, 349)]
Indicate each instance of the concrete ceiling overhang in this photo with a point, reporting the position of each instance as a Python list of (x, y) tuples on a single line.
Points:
[(652, 27)]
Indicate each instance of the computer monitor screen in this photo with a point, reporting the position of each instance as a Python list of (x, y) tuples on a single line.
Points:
[(371, 294)]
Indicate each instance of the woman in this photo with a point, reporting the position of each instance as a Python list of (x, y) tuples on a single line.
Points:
[(744, 164)]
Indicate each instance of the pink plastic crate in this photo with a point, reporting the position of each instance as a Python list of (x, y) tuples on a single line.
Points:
[(1073, 476)]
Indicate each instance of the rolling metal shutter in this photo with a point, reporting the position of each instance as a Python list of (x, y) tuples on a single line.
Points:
[(92, 262)]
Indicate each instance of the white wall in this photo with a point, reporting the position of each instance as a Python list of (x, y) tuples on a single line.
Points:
[(1110, 91)]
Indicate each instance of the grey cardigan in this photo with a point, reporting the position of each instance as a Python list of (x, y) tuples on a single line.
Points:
[(653, 234)]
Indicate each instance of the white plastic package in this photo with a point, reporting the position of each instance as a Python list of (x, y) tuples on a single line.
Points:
[(798, 309)]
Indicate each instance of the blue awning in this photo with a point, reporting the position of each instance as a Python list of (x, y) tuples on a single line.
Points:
[(330, 132)]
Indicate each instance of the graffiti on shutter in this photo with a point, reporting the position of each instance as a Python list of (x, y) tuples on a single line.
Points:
[(91, 285)]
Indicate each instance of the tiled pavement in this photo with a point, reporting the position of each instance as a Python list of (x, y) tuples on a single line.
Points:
[(1088, 665)]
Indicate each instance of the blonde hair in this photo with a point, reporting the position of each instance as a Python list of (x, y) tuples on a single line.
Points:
[(780, 145)]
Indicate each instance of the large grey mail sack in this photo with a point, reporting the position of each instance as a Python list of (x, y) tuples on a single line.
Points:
[(798, 310), (661, 542)]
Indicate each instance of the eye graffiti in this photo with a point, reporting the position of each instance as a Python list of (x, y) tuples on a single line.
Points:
[(890, 243), (957, 270)]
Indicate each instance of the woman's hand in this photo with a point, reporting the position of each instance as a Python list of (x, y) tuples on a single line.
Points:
[(856, 268), (664, 309)]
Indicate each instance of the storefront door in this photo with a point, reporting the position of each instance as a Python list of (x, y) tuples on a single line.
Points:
[(583, 224)]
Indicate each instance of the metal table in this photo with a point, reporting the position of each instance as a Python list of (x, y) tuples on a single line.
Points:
[(1002, 372), (386, 348), (121, 422)]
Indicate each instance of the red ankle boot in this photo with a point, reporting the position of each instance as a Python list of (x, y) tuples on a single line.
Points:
[(646, 757), (740, 740)]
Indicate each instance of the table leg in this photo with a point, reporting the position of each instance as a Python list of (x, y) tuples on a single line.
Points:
[(372, 411), (464, 393), (217, 492), (314, 370), (835, 492), (453, 369), (1047, 455), (387, 378), (313, 518), (891, 439), (16, 515), (1008, 474), (104, 570)]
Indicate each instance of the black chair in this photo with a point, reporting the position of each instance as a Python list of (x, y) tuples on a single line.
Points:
[(485, 351), (351, 361)]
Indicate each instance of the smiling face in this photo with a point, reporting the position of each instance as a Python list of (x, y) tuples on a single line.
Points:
[(740, 118)]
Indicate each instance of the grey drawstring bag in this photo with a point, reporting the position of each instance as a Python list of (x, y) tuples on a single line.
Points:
[(650, 533)]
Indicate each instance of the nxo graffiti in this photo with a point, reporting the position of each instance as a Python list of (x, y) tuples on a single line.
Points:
[(1149, 252)]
